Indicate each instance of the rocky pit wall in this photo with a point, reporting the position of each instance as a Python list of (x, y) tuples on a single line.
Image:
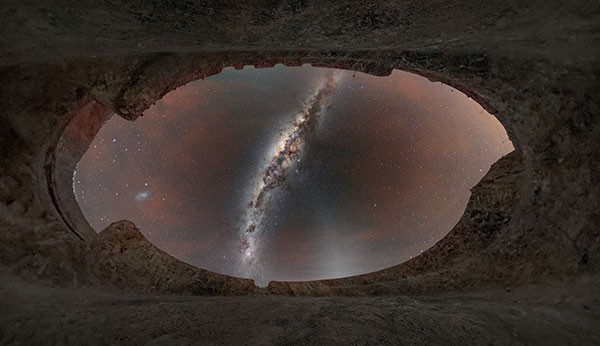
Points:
[(534, 218)]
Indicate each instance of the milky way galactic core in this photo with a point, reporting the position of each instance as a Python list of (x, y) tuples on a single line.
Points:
[(293, 173), (288, 151)]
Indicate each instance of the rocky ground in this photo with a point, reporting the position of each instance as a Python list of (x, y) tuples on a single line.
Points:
[(534, 315), (522, 267)]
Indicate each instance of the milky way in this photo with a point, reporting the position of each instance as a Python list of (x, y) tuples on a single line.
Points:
[(293, 173), (288, 150)]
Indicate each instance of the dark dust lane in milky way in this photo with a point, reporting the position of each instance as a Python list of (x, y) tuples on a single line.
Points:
[(287, 153)]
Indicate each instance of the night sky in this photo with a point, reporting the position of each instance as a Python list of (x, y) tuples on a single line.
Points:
[(293, 173)]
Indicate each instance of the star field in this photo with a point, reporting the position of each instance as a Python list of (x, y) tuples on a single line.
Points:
[(383, 172)]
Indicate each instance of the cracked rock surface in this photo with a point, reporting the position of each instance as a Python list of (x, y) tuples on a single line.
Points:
[(521, 267)]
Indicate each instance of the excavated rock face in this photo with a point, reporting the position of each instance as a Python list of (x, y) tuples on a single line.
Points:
[(534, 218), (126, 259)]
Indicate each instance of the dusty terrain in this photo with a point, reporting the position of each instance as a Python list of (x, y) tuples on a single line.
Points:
[(532, 315), (521, 267)]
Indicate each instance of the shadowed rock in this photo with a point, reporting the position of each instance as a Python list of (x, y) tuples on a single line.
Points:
[(533, 220), (124, 258)]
